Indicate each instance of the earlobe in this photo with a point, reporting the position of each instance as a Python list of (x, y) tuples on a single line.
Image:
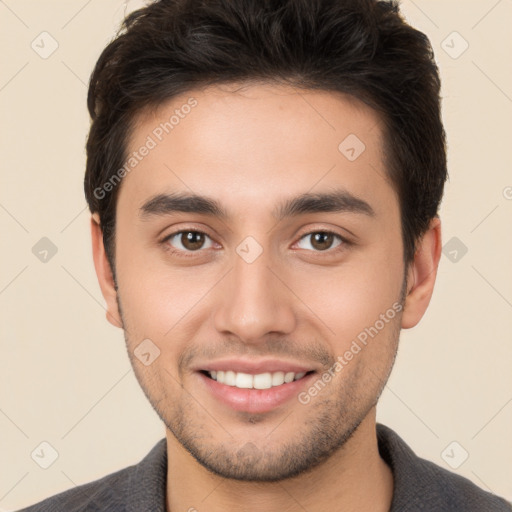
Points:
[(104, 272), (422, 274)]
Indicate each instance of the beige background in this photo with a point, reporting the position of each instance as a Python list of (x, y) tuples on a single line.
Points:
[(65, 374)]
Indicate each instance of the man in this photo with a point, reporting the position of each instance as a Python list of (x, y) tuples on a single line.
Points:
[(264, 179)]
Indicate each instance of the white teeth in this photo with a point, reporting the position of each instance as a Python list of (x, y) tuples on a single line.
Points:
[(243, 380), (277, 378), (288, 377), (230, 378), (262, 381), (259, 381)]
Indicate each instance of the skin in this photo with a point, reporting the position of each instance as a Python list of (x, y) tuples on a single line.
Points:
[(251, 148)]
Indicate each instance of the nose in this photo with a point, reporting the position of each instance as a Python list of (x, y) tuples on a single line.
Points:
[(254, 302)]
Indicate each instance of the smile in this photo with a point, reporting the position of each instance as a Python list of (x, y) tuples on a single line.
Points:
[(260, 381), (254, 393)]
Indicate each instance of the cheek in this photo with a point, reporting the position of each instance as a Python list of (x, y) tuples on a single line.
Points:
[(350, 297), (158, 301)]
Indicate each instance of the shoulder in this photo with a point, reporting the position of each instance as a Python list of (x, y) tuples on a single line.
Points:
[(422, 485), (102, 494), (116, 492)]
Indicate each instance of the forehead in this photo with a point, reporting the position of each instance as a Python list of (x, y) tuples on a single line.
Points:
[(247, 144)]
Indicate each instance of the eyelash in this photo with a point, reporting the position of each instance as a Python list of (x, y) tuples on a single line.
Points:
[(188, 254)]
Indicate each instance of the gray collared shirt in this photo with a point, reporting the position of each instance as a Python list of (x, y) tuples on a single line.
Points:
[(419, 485)]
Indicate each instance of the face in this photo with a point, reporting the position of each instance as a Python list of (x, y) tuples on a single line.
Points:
[(249, 241)]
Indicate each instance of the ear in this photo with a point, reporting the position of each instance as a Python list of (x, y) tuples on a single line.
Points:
[(104, 272), (421, 275)]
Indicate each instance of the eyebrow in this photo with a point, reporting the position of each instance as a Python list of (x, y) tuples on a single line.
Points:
[(339, 201)]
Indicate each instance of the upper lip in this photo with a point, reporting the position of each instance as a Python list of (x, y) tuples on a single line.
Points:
[(254, 367)]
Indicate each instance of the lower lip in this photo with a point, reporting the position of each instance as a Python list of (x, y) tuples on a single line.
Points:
[(255, 400)]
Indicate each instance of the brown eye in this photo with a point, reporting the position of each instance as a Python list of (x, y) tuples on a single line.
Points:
[(189, 241), (321, 240), (192, 240)]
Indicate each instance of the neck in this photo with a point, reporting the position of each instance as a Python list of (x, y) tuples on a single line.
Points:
[(354, 478)]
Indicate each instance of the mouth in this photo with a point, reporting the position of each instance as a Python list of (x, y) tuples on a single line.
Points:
[(265, 380), (254, 393)]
